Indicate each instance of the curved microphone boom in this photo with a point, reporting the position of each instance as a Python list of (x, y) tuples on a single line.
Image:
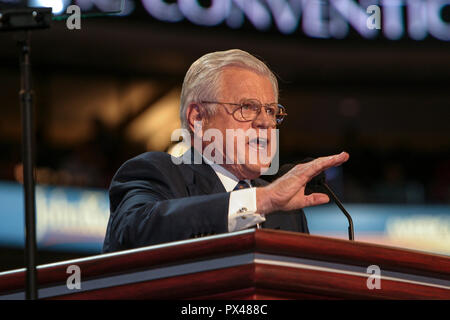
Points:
[(351, 231), (319, 184)]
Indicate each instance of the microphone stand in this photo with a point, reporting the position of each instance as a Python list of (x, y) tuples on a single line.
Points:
[(23, 20), (28, 153), (351, 231)]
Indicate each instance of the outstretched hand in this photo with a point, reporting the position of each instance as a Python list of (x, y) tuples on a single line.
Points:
[(288, 192)]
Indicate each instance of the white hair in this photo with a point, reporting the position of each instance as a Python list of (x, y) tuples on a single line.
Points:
[(202, 79)]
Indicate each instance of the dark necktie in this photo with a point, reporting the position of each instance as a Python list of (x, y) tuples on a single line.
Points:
[(241, 185)]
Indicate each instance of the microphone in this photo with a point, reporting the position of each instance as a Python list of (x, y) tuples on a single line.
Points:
[(318, 184)]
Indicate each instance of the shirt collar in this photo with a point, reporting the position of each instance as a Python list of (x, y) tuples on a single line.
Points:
[(228, 179)]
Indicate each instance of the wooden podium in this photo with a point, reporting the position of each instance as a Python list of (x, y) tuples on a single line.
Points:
[(250, 264)]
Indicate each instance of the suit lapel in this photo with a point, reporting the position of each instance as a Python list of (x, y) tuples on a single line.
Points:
[(204, 180)]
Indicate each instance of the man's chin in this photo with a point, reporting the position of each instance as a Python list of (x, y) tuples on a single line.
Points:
[(254, 171)]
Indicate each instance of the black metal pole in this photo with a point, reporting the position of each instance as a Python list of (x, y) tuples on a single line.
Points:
[(351, 232), (26, 102)]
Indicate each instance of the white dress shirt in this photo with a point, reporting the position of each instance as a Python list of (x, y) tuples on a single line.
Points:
[(242, 205)]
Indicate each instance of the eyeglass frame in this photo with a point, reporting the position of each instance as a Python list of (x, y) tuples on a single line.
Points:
[(241, 105)]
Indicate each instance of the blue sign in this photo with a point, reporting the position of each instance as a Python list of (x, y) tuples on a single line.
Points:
[(74, 219), (70, 219)]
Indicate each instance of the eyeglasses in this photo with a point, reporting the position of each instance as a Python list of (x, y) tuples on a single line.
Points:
[(250, 109)]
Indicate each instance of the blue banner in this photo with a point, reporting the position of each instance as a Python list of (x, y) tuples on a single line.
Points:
[(75, 219)]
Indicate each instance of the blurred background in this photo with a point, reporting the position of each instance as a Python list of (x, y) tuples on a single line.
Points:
[(110, 91)]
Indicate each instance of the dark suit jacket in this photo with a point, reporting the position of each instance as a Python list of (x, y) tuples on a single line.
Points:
[(153, 200)]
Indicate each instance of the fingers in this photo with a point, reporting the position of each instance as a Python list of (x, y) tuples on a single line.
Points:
[(313, 168), (315, 199), (287, 193)]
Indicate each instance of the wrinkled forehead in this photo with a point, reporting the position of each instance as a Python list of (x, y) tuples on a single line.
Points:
[(240, 83)]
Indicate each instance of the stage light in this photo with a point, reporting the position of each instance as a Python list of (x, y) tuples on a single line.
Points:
[(57, 6)]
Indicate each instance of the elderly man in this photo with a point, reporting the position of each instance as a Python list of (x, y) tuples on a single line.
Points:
[(154, 199)]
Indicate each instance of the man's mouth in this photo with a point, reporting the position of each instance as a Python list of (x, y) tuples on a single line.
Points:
[(258, 143)]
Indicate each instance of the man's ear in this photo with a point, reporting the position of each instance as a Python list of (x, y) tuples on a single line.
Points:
[(194, 113)]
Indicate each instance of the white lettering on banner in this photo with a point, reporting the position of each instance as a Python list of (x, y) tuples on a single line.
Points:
[(421, 232), (286, 14), (161, 10), (316, 18), (393, 19), (437, 27), (211, 16), (417, 19), (56, 215), (320, 18), (256, 12), (314, 23), (355, 15), (338, 26)]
